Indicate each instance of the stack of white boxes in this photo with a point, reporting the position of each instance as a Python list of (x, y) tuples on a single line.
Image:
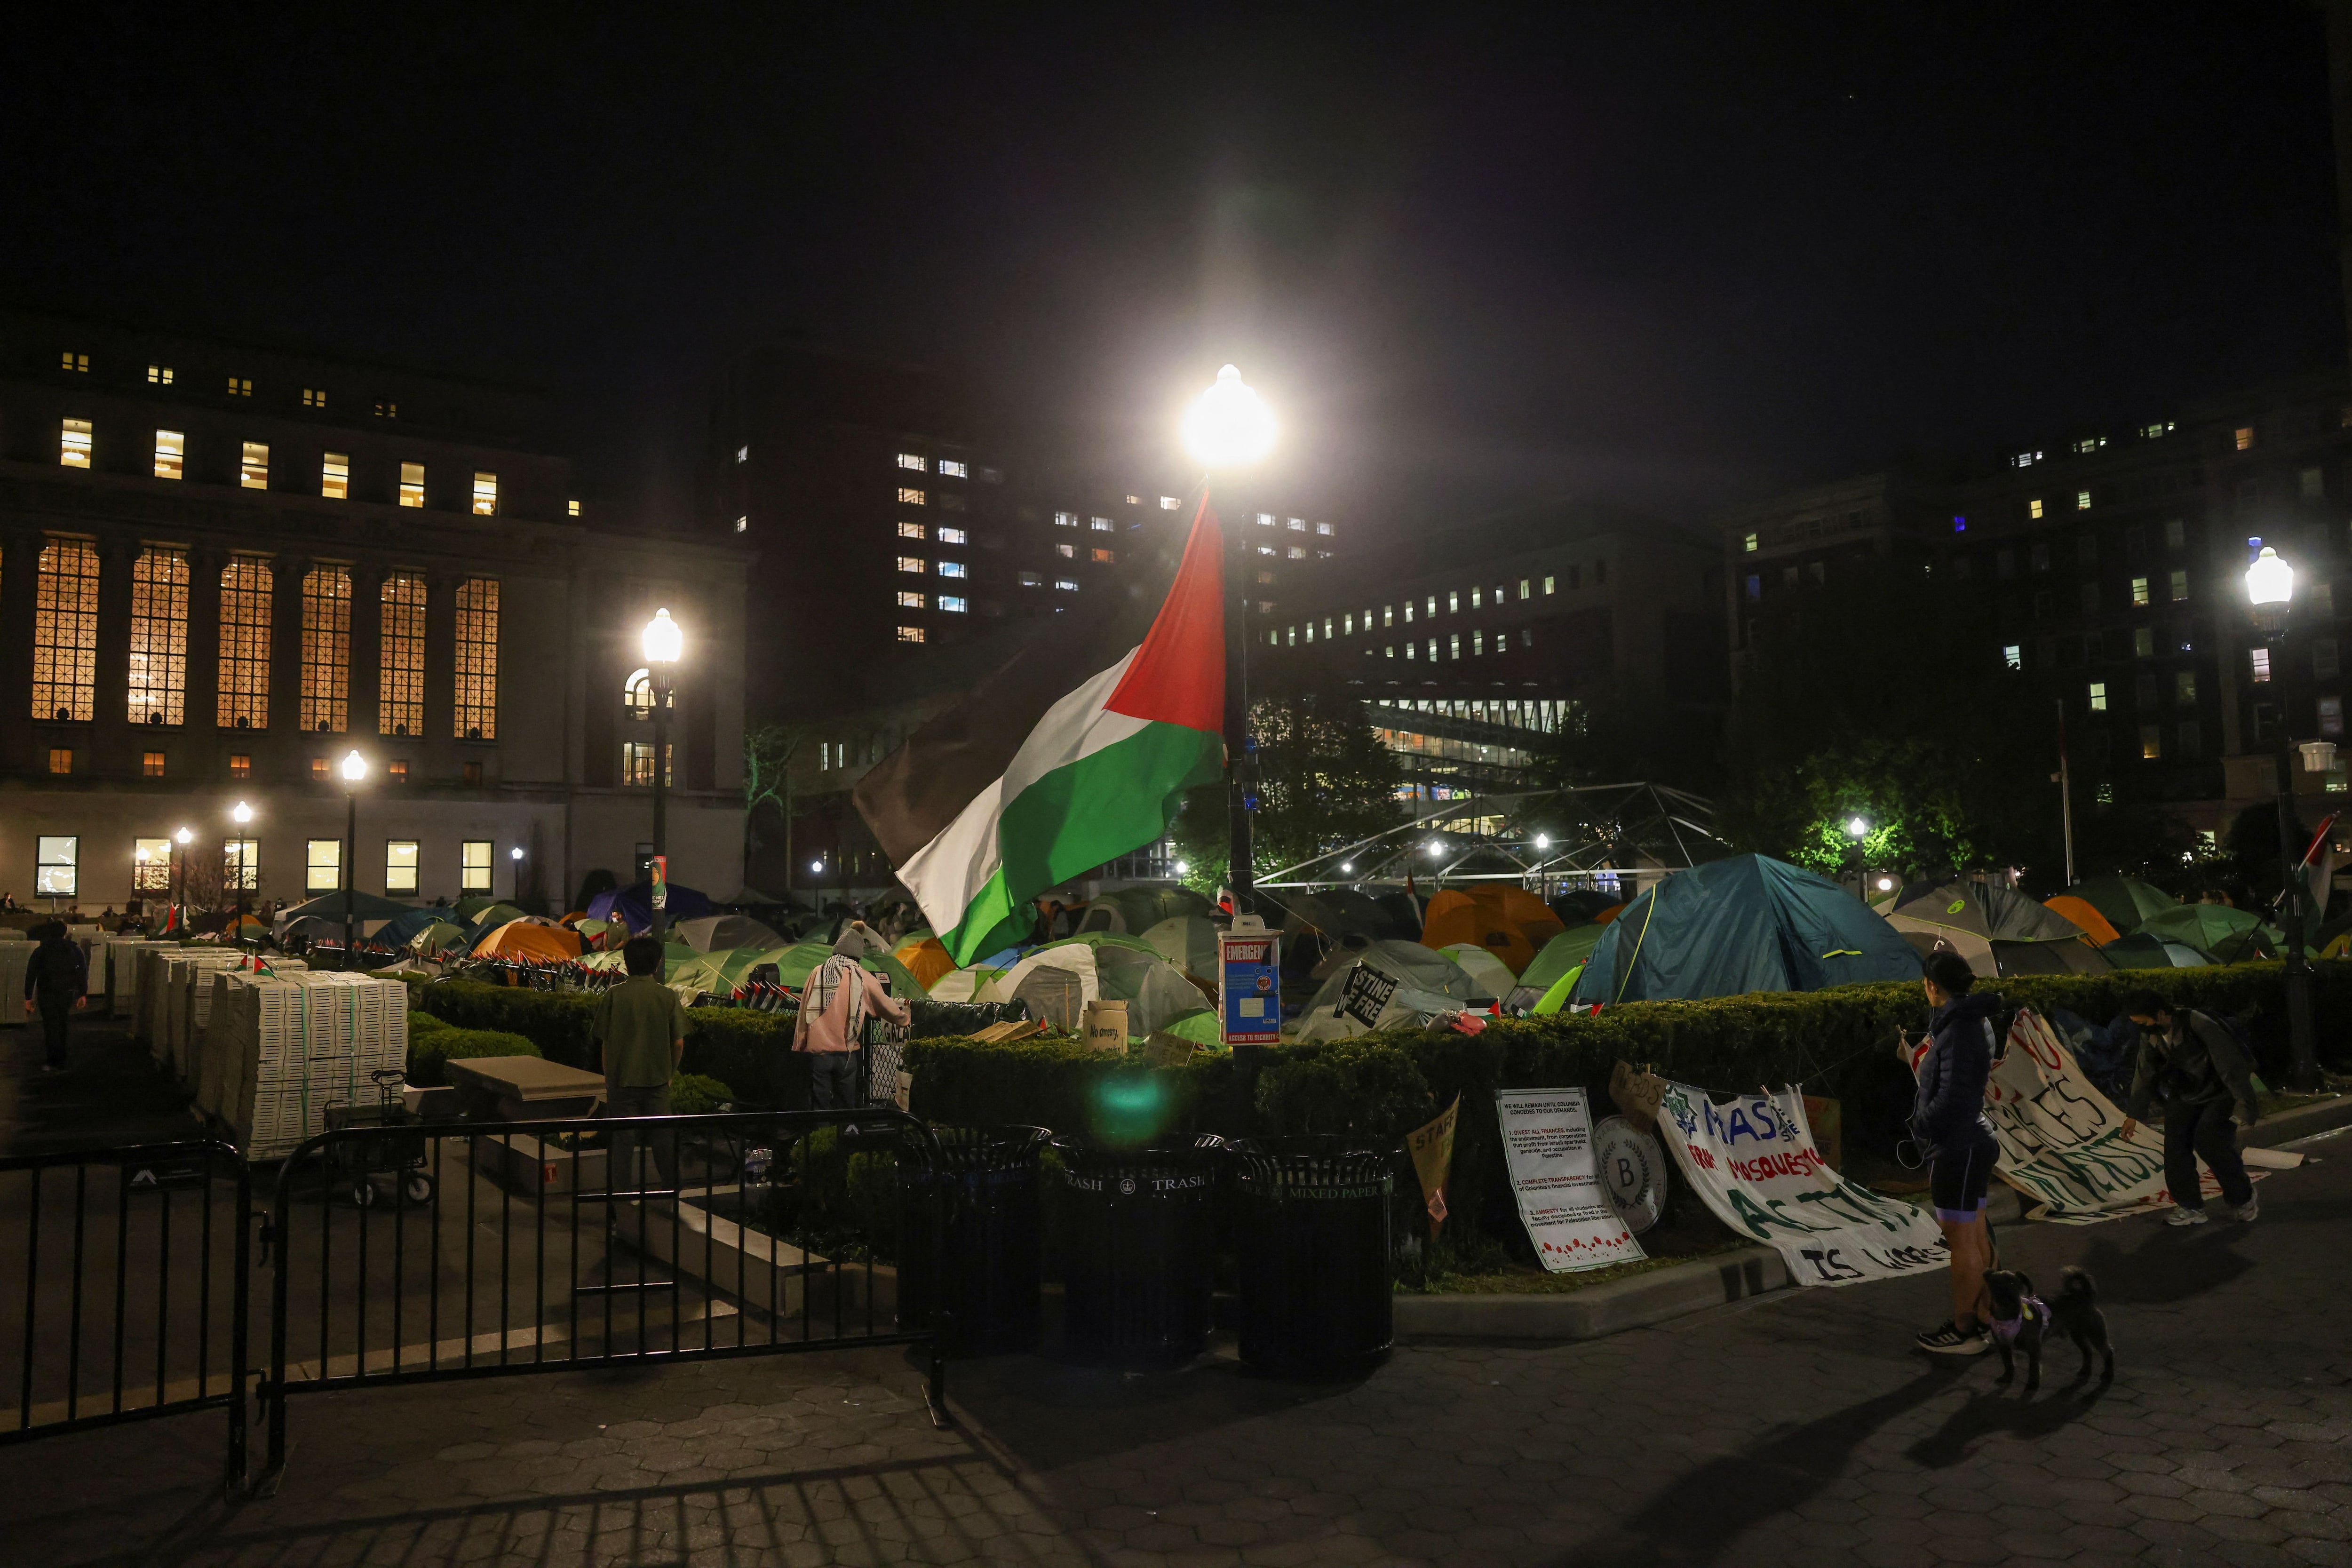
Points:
[(14, 958), (280, 1048), (129, 959), (171, 1011)]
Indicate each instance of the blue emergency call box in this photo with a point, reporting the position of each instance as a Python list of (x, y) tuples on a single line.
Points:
[(1249, 984)]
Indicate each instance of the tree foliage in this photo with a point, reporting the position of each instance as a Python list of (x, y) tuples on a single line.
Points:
[(1324, 782)]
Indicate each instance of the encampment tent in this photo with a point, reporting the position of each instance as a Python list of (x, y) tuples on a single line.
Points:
[(793, 963), (1578, 905), (2146, 949), (2124, 900), (366, 908), (528, 938), (1060, 978), (2232, 936), (1509, 922), (1425, 981), (925, 956), (1492, 976), (1998, 929), (401, 927), (709, 933), (1563, 953), (1131, 912), (1739, 924), (634, 905), (1188, 941), (469, 909), (2085, 914), (434, 936)]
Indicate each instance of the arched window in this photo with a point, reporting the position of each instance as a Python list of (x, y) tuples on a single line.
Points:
[(476, 706), (159, 637), (326, 650), (65, 630), (400, 691), (638, 694), (245, 594)]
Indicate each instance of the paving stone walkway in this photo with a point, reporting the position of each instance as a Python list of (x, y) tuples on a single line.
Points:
[(1794, 1428)]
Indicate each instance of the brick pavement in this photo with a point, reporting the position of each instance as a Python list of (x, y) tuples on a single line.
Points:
[(1794, 1428)]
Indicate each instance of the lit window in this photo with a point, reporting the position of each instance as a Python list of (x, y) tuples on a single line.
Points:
[(1106, 557), (73, 444), (1549, 585), (951, 604), (638, 693), (60, 759), (78, 363), (253, 468), (477, 659), (151, 859), (159, 375), (1747, 543), (1388, 652), (2151, 741), (2179, 587), (1099, 524), (314, 397), (2089, 444), (159, 637), (907, 601), (1067, 552), (470, 773), (322, 865), (65, 630), (1524, 586), (1387, 614), (2245, 443), (1065, 584), (1169, 503), (326, 650), (335, 476), (400, 659), (2156, 431), (910, 531), (54, 863), (171, 447), (1310, 631), (2025, 460), (1478, 644), (2262, 657), (474, 866), (239, 386), (912, 462), (742, 454), (486, 495), (952, 469), (1265, 519), (2013, 655), (321, 770), (572, 508), (2082, 500), (242, 700), (638, 763), (742, 525), (1065, 519), (1297, 525), (241, 865), (953, 536), (2033, 507), (400, 864), (1348, 623), (910, 563), (910, 498), (2139, 590), (151, 765), (396, 772), (240, 765), (412, 487), (1453, 645), (387, 410), (1297, 553), (910, 634), (1265, 549), (1453, 601), (1031, 580), (1324, 529)]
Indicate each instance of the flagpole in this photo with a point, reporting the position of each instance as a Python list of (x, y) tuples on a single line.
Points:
[(1241, 762)]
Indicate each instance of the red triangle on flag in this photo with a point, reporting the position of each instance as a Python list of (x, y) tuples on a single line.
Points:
[(1178, 676)]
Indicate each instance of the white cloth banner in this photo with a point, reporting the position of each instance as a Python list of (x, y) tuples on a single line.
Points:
[(1548, 1145), (1752, 1159)]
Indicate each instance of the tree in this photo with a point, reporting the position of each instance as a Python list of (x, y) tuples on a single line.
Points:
[(1323, 781), (767, 753)]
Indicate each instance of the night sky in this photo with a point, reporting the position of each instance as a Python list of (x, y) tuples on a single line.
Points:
[(1672, 260)]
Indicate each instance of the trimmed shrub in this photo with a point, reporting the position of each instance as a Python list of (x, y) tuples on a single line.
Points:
[(423, 1023), (428, 1052), (692, 1094)]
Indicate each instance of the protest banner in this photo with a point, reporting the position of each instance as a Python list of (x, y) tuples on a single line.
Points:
[(1431, 1148), (1752, 1161), (1547, 1146)]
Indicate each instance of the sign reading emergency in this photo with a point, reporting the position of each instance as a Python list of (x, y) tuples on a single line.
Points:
[(1249, 984)]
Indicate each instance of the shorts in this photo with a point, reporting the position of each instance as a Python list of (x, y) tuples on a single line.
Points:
[(1960, 1178)]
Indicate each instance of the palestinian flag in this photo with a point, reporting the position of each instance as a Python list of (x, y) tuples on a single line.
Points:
[(1073, 753)]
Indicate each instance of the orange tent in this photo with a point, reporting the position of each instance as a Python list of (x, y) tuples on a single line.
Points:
[(529, 939), (1611, 913), (2080, 910), (1509, 922), (927, 959)]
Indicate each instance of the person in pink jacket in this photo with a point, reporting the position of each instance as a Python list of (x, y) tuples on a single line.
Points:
[(832, 1018)]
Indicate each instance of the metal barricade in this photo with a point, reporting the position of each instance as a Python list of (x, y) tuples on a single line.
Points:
[(474, 1250), (130, 1297)]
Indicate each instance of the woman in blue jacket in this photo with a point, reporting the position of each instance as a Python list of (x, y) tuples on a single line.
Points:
[(1949, 1121)]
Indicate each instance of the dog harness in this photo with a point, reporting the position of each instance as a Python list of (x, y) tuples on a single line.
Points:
[(2005, 1328)]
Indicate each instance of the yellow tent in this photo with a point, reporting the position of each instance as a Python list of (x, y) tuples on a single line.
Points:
[(926, 958), (2094, 925), (529, 938)]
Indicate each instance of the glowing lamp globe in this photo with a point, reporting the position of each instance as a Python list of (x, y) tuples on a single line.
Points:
[(1230, 426), (243, 814), (355, 767), (1858, 827), (663, 640), (2270, 586), (184, 837)]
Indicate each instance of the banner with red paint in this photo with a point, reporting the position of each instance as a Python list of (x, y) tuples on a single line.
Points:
[(1547, 1146)]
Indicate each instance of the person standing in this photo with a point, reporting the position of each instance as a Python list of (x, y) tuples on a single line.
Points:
[(832, 1018), (1948, 1119), (2196, 1066), (56, 983), (640, 1027)]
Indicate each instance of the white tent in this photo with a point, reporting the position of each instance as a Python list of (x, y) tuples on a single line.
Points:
[(1420, 980), (1059, 978)]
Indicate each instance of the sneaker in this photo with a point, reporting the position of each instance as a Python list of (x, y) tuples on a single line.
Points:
[(2185, 1216), (2250, 1211), (1950, 1340)]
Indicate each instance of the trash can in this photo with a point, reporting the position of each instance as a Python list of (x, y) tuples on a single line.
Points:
[(1311, 1240), (1140, 1240), (993, 1255)]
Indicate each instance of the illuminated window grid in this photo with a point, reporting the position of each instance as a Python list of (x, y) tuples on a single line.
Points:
[(335, 476), (65, 631), (474, 866), (486, 495), (159, 637), (74, 443), (244, 602), (412, 484), (326, 650), (400, 866), (322, 866), (477, 659), (638, 763), (241, 865), (171, 453), (253, 468), (151, 865), (400, 702)]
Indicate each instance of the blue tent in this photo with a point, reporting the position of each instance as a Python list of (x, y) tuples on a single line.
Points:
[(635, 906), (1738, 925), (398, 930)]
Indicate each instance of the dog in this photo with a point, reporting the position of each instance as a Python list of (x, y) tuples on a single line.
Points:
[(2024, 1321)]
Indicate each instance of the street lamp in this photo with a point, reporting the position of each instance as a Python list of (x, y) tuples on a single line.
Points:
[(1229, 427), (663, 643), (1858, 828), (242, 814), (355, 772), (180, 881), (2270, 589)]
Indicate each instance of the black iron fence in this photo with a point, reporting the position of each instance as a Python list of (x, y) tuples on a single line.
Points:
[(131, 1298)]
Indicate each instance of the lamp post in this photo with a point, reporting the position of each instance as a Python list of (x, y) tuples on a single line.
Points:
[(1858, 828), (242, 814), (2270, 589), (1229, 427), (180, 880), (515, 855), (663, 643), (355, 772)]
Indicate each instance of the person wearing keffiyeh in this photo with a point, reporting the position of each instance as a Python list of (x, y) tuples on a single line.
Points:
[(832, 1018)]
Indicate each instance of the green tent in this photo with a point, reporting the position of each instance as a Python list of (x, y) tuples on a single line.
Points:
[(2232, 936), (2125, 900), (1131, 912), (1491, 976), (469, 909), (795, 962), (1059, 978), (2146, 949), (1188, 941), (1563, 953)]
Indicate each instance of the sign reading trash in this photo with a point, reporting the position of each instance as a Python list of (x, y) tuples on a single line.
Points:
[(1547, 1146), (1752, 1161), (1366, 994), (1249, 984)]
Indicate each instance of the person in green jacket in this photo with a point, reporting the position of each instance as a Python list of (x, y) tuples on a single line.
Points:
[(2196, 1066), (641, 1026)]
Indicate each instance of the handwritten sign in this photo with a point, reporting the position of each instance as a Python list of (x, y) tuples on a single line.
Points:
[(1431, 1148), (1547, 1146), (1752, 1162)]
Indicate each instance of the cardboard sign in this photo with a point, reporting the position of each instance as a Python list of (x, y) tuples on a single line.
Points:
[(1249, 984), (1547, 1146), (1431, 1148), (1366, 994), (1104, 1025)]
